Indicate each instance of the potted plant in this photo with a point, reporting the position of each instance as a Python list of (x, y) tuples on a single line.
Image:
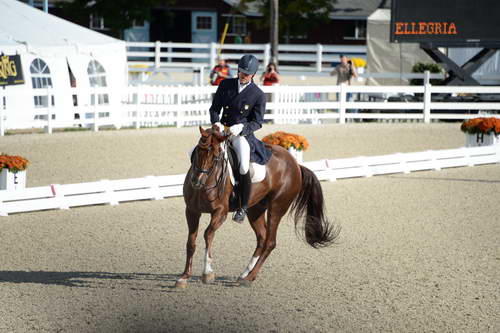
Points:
[(12, 172), (294, 143), (481, 131)]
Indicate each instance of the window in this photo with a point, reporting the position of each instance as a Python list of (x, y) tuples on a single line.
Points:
[(97, 78), (356, 30), (204, 23), (237, 25), (40, 79), (72, 84)]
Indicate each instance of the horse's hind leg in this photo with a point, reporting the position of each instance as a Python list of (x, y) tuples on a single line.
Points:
[(193, 221), (215, 222), (256, 216)]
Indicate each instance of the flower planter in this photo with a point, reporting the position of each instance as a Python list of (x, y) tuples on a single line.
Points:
[(12, 181), (480, 139), (297, 154)]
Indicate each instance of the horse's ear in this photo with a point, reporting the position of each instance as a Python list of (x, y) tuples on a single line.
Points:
[(202, 131)]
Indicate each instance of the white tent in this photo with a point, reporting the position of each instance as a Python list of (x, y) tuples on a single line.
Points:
[(382, 56), (55, 53)]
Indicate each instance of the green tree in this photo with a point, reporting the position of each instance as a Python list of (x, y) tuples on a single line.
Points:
[(296, 17), (118, 15)]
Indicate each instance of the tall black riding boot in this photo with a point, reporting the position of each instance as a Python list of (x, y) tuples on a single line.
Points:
[(245, 185)]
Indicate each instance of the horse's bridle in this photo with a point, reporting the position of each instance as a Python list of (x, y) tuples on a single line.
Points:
[(208, 171), (221, 179)]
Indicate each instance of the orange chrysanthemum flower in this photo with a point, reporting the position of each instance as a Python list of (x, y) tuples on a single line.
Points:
[(287, 140), (13, 163), (481, 125)]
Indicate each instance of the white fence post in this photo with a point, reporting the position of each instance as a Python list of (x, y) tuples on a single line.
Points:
[(137, 108), (319, 57), (427, 103), (201, 75), (49, 112), (213, 54), (157, 53), (267, 54), (180, 113), (2, 108), (169, 50), (342, 100), (427, 77)]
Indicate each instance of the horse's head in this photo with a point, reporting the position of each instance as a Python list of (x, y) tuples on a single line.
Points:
[(207, 156)]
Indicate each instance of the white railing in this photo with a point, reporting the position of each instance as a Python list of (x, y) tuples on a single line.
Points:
[(113, 192), (147, 106), (311, 104), (311, 57)]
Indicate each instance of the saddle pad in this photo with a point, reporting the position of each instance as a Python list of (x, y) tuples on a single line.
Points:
[(257, 171)]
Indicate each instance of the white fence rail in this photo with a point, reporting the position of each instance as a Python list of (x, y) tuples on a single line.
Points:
[(113, 192), (311, 57), (148, 106), (311, 104)]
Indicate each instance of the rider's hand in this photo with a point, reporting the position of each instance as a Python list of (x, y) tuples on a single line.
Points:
[(220, 126), (236, 129)]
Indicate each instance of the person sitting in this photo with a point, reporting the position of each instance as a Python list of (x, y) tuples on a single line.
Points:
[(220, 72), (243, 105)]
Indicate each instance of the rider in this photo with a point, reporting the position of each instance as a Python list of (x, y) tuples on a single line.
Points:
[(243, 105)]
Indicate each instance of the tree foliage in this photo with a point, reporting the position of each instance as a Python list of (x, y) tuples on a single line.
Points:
[(118, 15), (296, 17), (421, 67)]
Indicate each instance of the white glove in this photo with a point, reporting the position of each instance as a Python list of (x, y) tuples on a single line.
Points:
[(220, 126), (236, 129)]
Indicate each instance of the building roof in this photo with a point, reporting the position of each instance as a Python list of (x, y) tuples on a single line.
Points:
[(252, 8), (21, 24), (357, 9), (343, 9)]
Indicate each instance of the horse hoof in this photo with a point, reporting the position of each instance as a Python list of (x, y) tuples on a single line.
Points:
[(208, 278), (244, 283), (181, 284)]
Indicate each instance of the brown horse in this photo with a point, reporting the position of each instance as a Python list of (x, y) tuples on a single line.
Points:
[(207, 189)]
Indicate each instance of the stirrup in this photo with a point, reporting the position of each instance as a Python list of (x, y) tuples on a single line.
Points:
[(239, 215)]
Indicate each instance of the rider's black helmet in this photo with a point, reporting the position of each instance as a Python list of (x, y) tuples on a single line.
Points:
[(248, 64)]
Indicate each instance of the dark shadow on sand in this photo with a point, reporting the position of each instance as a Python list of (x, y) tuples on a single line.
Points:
[(98, 279)]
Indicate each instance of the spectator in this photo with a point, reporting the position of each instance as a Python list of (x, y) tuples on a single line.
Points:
[(271, 76), (219, 72), (345, 71)]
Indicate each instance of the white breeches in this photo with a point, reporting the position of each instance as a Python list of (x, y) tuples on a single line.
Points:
[(242, 148)]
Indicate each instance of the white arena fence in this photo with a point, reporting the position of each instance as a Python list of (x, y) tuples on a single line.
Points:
[(311, 57), (150, 106), (113, 192)]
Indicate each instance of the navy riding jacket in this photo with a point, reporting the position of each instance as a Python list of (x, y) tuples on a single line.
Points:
[(245, 108)]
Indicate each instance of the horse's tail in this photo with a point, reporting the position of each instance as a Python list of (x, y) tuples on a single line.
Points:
[(309, 205)]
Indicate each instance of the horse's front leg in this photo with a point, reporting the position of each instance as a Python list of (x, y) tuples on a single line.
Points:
[(256, 216), (274, 215), (217, 218), (193, 221)]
